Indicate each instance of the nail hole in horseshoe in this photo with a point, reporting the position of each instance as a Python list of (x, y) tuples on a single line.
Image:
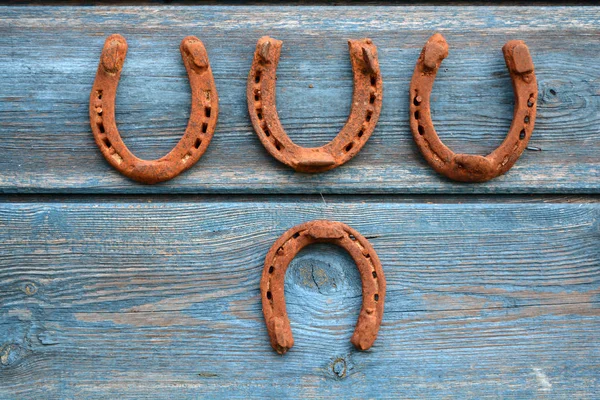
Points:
[(417, 115), (99, 94), (349, 146), (373, 80), (207, 112), (269, 295), (372, 98), (278, 147), (421, 130), (107, 143), (257, 77), (352, 237), (417, 100), (266, 130), (259, 113), (376, 297), (204, 127), (198, 143), (295, 235), (368, 117), (526, 119), (522, 135), (374, 274), (530, 101), (360, 133), (100, 126), (256, 95), (271, 269)]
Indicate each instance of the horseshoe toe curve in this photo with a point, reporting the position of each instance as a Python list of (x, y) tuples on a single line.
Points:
[(285, 249), (201, 124), (364, 113), (466, 167)]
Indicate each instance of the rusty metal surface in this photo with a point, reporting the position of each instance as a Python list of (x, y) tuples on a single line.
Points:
[(467, 167), (201, 125), (364, 112), (286, 248)]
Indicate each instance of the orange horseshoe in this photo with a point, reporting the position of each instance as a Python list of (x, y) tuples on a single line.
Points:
[(286, 248), (467, 167), (201, 125), (364, 112)]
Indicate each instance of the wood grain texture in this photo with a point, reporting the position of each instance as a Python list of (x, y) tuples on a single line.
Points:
[(50, 56), (161, 300)]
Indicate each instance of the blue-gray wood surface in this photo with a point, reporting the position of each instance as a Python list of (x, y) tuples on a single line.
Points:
[(161, 300), (113, 289), (50, 55)]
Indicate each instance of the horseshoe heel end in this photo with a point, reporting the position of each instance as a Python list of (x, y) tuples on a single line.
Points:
[(193, 51), (366, 330), (366, 51), (434, 52), (518, 59), (268, 49), (280, 333), (113, 53)]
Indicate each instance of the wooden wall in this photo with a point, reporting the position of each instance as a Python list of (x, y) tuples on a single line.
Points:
[(110, 288)]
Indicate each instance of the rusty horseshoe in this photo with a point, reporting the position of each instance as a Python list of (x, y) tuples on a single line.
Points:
[(364, 112), (467, 167), (286, 248), (200, 128)]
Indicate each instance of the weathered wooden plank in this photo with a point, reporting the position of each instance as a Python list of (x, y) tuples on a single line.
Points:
[(161, 300), (50, 56), (363, 199)]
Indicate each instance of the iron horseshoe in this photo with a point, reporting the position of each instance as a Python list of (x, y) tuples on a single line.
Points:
[(467, 167), (286, 248), (364, 112), (200, 128)]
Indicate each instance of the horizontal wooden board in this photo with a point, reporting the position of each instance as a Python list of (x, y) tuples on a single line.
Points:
[(50, 54), (161, 300)]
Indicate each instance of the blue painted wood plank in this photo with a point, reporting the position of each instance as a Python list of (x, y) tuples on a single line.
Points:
[(50, 54), (161, 300)]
